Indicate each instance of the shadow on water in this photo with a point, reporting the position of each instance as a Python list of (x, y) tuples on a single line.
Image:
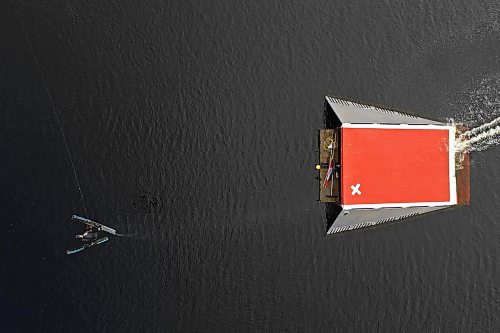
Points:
[(329, 118), (332, 211)]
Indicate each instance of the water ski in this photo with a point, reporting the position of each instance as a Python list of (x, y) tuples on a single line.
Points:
[(94, 224), (86, 246)]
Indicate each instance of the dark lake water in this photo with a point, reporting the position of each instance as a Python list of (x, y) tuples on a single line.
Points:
[(193, 128)]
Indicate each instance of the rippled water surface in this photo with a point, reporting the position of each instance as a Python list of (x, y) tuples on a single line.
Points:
[(193, 128)]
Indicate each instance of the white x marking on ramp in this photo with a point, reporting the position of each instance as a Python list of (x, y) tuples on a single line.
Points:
[(355, 189)]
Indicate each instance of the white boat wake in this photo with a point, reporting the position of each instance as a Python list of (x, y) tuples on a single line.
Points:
[(479, 138)]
